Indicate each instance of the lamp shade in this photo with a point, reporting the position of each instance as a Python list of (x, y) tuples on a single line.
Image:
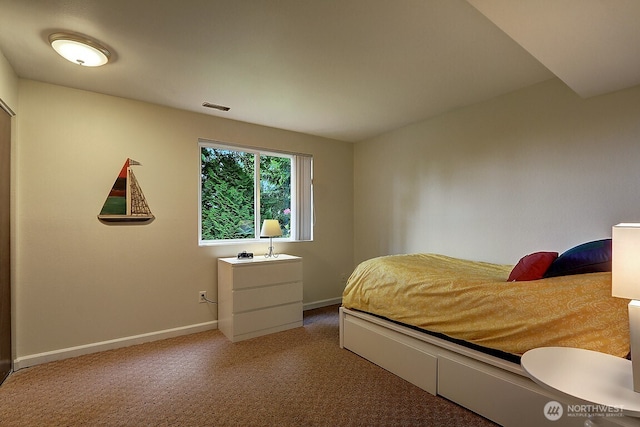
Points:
[(270, 228), (625, 261)]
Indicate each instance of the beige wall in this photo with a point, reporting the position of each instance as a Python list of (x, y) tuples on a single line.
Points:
[(538, 169), (8, 85), (79, 281)]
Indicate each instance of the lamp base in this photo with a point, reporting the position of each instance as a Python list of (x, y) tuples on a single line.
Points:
[(271, 254), (634, 335)]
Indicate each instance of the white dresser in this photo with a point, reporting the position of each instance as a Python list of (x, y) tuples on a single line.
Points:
[(259, 296)]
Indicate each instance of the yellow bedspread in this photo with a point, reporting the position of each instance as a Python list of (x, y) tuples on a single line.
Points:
[(472, 301)]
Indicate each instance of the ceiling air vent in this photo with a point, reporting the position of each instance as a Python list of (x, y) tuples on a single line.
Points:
[(215, 106)]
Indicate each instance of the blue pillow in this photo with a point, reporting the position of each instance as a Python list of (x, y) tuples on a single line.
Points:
[(590, 257)]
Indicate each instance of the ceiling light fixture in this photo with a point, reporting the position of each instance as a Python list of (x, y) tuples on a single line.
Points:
[(79, 49)]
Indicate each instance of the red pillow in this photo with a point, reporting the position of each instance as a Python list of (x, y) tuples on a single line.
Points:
[(532, 266)]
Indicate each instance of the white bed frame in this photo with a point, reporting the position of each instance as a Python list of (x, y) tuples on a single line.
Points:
[(492, 387)]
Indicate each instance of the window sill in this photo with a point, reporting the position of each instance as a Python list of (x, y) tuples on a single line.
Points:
[(246, 242)]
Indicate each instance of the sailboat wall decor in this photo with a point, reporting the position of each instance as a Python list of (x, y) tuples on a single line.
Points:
[(126, 202)]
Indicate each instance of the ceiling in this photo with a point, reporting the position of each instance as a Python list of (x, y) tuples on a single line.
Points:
[(342, 69)]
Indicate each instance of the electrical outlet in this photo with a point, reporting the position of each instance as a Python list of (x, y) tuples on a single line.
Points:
[(202, 296)]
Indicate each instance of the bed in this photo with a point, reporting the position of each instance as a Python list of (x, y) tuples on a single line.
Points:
[(457, 328)]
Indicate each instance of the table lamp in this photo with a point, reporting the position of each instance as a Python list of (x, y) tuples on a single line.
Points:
[(270, 228), (625, 283)]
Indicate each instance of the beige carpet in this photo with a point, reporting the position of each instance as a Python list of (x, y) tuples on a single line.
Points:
[(298, 377)]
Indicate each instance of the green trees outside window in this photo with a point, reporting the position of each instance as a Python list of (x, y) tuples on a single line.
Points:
[(275, 191), (233, 183)]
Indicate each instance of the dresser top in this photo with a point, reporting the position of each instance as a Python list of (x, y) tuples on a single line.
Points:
[(259, 259)]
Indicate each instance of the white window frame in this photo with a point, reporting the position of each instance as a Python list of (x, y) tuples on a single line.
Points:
[(302, 212)]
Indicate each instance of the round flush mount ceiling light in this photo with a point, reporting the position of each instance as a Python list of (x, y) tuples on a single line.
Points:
[(79, 49)]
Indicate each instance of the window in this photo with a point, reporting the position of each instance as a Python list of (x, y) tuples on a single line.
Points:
[(240, 187)]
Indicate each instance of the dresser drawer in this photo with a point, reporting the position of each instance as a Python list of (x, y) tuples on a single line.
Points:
[(267, 273), (267, 319), (266, 296)]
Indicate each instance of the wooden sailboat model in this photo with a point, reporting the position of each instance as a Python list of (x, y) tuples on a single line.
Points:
[(126, 202)]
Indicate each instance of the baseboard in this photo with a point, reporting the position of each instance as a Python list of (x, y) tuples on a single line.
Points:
[(65, 353), (322, 303)]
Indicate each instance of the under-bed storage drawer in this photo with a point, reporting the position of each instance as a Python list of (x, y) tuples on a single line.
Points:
[(492, 393), (395, 352)]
